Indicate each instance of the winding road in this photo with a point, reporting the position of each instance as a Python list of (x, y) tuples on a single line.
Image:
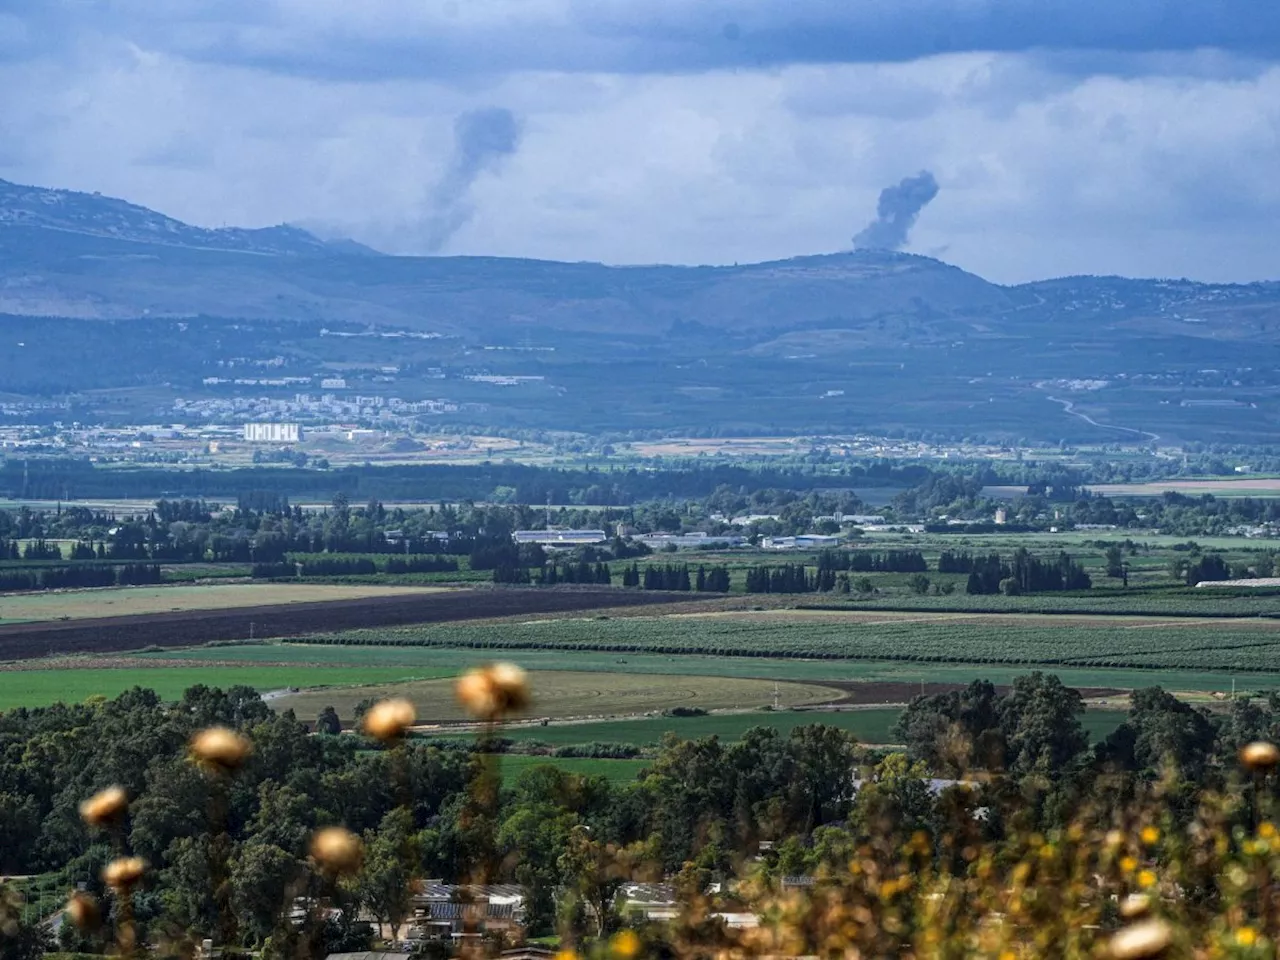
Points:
[(1068, 407)]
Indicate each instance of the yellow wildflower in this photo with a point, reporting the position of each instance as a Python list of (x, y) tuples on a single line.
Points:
[(625, 944), (1246, 936), (1146, 878), (1128, 864), (1150, 835)]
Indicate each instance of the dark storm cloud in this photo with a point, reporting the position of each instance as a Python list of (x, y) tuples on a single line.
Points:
[(481, 139), (896, 213), (446, 38)]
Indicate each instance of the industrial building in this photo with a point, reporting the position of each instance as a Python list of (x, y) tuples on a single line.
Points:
[(659, 540), (272, 433)]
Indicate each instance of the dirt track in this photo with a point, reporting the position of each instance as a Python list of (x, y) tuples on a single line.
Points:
[(22, 641)]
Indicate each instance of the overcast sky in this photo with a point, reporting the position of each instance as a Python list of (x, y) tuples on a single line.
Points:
[(1139, 137)]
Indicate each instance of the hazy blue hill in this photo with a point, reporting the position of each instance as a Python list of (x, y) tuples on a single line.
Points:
[(91, 214), (83, 255)]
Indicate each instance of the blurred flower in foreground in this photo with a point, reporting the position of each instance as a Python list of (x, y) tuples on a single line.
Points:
[(1150, 938), (493, 691), (389, 719), (337, 850), (83, 912), (1260, 755), (1135, 905), (104, 807), (220, 749), (123, 873), (625, 944)]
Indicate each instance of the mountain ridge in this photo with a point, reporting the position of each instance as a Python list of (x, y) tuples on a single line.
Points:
[(92, 214), (78, 255)]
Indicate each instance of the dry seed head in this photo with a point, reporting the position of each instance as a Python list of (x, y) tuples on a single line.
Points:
[(105, 806), (1150, 938), (512, 684), (1260, 755), (82, 910), (220, 748), (1135, 905), (389, 719), (123, 873), (337, 850), (478, 694)]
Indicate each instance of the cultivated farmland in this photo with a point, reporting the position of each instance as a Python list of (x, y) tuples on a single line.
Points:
[(137, 601), (574, 694), (22, 641), (1050, 641), (883, 679)]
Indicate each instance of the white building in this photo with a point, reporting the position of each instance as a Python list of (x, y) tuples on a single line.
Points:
[(811, 541), (272, 433), (560, 538)]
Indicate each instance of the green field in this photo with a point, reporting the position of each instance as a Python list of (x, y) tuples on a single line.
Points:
[(873, 726), (869, 726), (36, 688)]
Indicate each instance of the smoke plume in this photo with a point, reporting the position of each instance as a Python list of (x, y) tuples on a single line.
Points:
[(896, 213), (481, 139)]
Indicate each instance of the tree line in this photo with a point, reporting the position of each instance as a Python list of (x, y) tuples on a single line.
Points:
[(61, 578), (863, 561), (1023, 573)]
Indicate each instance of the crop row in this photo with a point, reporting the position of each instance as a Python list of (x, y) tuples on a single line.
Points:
[(1158, 645), (1206, 602)]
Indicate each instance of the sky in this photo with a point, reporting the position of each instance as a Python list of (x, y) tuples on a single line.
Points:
[(1063, 136)]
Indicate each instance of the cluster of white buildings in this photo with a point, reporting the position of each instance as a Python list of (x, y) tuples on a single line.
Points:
[(305, 406)]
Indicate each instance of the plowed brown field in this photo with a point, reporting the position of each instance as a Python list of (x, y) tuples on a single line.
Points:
[(24, 641)]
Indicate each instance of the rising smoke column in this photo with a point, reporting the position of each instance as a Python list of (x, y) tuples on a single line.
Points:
[(481, 139), (896, 213)]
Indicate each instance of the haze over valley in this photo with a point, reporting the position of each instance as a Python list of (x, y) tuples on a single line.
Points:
[(866, 340)]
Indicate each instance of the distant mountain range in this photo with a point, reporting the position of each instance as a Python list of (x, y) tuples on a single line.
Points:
[(80, 255), (126, 311)]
